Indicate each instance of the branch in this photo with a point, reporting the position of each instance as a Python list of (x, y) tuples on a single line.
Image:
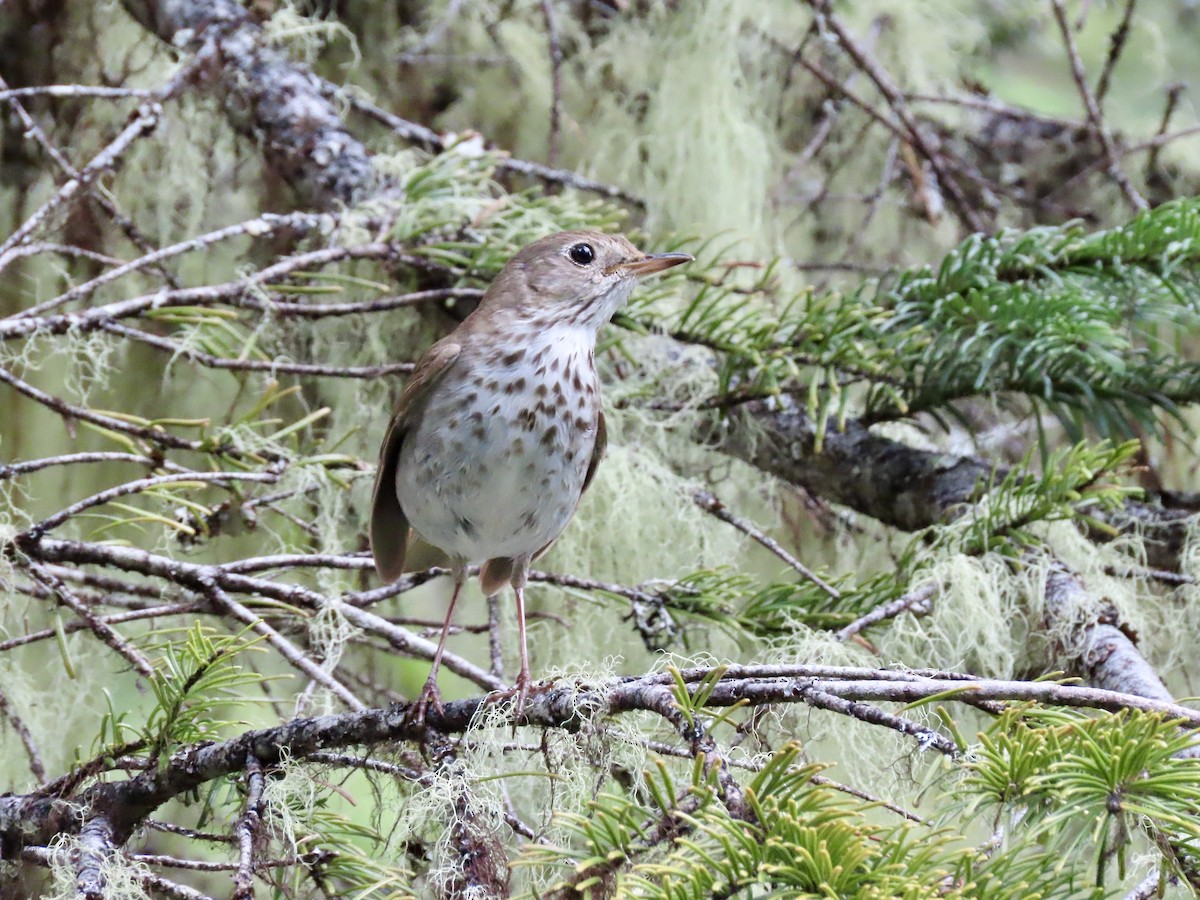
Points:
[(268, 98), (122, 805), (201, 578), (247, 831), (1096, 123), (903, 486)]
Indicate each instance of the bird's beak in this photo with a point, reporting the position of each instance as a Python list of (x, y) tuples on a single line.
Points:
[(649, 264)]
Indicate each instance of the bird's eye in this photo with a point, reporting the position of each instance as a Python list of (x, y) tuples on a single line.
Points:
[(582, 254)]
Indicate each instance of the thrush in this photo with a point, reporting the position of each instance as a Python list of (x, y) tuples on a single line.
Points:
[(499, 431)]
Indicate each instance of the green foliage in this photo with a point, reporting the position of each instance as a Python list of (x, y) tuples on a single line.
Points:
[(192, 681), (1074, 482), (1088, 786), (801, 839), (1067, 318), (1084, 325)]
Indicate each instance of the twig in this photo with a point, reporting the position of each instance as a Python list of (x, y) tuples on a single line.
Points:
[(992, 105), (247, 829), (33, 249), (97, 625), (895, 98), (36, 765), (286, 648), (432, 141), (212, 865), (202, 577), (1160, 575), (67, 410), (556, 60), (1174, 92), (74, 90), (189, 833), (25, 467), (372, 765), (710, 504), (127, 226), (873, 715), (272, 366), (918, 599), (757, 766), (136, 615), (144, 120), (146, 484), (235, 292), (1116, 46), (383, 304), (1096, 123), (44, 856), (264, 225)]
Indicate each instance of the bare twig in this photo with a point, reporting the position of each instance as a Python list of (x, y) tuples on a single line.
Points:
[(98, 626), (146, 484), (236, 292), (44, 856), (914, 600), (1096, 122), (123, 222), (914, 133), (1174, 92), (431, 140), (26, 467), (286, 648), (144, 120), (247, 831), (202, 577), (273, 366), (708, 502), (556, 60), (36, 765), (73, 91), (266, 224), (136, 615), (1116, 46)]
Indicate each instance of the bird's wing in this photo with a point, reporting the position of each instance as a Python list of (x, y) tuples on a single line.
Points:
[(389, 524), (593, 464), (597, 453)]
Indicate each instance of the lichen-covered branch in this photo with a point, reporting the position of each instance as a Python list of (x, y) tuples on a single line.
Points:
[(268, 97)]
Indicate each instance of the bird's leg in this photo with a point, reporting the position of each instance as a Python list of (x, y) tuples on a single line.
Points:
[(520, 574), (523, 679), (430, 693)]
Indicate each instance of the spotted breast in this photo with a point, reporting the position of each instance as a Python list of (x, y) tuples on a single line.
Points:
[(497, 460)]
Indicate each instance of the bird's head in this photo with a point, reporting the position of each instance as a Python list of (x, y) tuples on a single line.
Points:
[(575, 278)]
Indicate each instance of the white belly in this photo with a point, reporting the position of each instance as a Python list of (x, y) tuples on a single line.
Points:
[(495, 466)]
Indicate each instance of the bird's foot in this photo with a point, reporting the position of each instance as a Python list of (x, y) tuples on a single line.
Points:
[(520, 693), (430, 697)]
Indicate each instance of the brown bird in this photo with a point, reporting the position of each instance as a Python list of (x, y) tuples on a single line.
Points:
[(500, 430)]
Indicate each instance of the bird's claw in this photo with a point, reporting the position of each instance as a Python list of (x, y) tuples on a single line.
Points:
[(430, 696), (521, 691)]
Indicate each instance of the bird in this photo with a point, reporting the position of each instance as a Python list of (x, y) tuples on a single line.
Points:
[(499, 430)]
